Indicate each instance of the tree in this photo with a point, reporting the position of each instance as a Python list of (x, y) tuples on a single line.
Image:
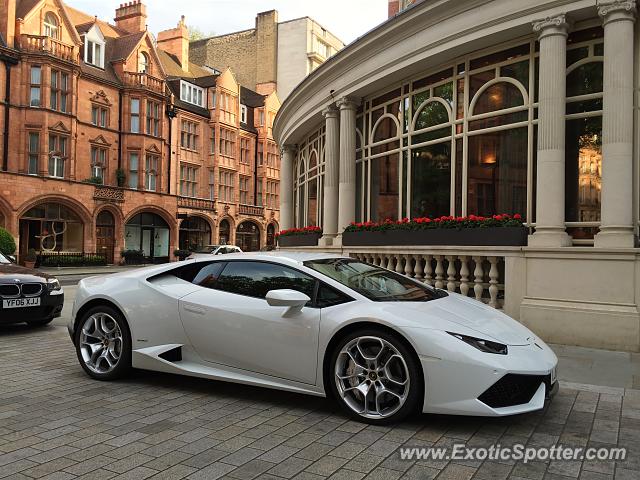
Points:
[(196, 34), (7, 243)]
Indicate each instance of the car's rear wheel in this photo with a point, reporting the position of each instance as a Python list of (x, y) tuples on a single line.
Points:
[(103, 343), (375, 377)]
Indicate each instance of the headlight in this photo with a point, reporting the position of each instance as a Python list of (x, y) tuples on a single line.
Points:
[(53, 284), (486, 346)]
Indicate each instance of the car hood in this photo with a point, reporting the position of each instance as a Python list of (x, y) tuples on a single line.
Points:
[(11, 273), (457, 309)]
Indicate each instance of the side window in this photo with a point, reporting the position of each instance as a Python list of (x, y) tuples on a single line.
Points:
[(328, 296), (255, 279), (208, 275)]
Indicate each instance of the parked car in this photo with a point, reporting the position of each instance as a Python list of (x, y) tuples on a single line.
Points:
[(28, 295), (384, 345), (216, 250)]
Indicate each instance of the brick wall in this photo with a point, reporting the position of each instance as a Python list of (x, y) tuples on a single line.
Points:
[(237, 50)]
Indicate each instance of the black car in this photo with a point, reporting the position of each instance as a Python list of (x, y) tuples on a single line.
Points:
[(27, 295)]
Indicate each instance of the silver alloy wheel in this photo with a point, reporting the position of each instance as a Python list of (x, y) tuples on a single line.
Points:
[(101, 343), (372, 377)]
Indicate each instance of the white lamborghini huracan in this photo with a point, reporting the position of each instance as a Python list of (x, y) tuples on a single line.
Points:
[(382, 344)]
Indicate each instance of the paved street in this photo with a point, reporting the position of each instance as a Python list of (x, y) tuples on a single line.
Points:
[(56, 423)]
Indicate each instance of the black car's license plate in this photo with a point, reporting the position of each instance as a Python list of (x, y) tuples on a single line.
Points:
[(21, 302)]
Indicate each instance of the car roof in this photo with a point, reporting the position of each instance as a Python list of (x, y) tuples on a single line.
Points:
[(283, 256)]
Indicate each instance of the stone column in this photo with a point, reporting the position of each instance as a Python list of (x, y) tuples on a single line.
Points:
[(616, 230), (347, 185), (331, 175), (286, 187), (550, 229)]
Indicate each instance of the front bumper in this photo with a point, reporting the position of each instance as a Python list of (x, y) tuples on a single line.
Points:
[(50, 307), (461, 380)]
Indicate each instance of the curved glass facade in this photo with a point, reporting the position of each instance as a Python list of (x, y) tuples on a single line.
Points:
[(462, 140)]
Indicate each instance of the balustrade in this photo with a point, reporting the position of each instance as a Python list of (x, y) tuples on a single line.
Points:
[(476, 273)]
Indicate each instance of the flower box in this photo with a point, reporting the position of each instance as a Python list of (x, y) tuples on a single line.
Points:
[(478, 237), (299, 240)]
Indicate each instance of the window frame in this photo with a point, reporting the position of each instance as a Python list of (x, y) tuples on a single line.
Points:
[(134, 115), (188, 91), (35, 86), (313, 303)]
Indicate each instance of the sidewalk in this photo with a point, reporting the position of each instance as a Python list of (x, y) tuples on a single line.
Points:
[(579, 365), (86, 271)]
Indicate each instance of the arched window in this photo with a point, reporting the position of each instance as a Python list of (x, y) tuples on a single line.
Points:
[(51, 227), (149, 233), (585, 79), (583, 158), (312, 190), (143, 62), (248, 237), (195, 233), (51, 26), (224, 231), (499, 96)]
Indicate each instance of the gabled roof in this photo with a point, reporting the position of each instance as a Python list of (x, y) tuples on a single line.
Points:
[(80, 19), (25, 6), (250, 98), (122, 47), (173, 67)]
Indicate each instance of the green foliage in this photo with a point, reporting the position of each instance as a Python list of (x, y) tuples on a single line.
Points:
[(132, 257), (197, 34), (181, 254), (73, 261), (94, 180), (121, 177), (31, 255), (7, 243)]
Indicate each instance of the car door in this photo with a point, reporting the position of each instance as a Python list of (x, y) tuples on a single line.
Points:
[(229, 322)]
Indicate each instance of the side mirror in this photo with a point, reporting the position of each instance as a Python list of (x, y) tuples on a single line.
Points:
[(12, 258), (287, 298)]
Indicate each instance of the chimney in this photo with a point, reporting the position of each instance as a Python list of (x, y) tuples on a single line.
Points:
[(176, 42), (132, 17), (8, 21), (394, 7)]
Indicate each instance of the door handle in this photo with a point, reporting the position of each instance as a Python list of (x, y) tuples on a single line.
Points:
[(194, 309)]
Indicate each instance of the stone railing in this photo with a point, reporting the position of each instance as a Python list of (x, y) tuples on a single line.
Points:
[(44, 44), (197, 203), (479, 272), (253, 210), (144, 80)]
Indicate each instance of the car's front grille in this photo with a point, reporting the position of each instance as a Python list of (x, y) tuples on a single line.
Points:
[(31, 289), (11, 290), (513, 389)]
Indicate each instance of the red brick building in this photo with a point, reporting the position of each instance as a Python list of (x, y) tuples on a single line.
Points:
[(109, 142)]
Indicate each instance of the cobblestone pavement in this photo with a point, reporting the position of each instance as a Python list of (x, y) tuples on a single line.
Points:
[(56, 423)]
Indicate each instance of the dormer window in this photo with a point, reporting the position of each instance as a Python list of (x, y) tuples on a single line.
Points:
[(143, 63), (93, 54), (51, 26), (192, 94), (94, 47)]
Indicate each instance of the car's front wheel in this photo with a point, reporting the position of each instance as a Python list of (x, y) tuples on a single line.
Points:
[(103, 343), (375, 377)]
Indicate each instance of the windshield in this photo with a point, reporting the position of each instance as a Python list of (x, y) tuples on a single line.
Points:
[(3, 259), (373, 282)]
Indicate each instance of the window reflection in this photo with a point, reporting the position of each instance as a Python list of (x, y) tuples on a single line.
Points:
[(431, 181), (497, 176)]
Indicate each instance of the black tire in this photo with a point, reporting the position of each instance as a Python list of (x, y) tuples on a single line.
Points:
[(414, 398), (123, 365), (39, 323)]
